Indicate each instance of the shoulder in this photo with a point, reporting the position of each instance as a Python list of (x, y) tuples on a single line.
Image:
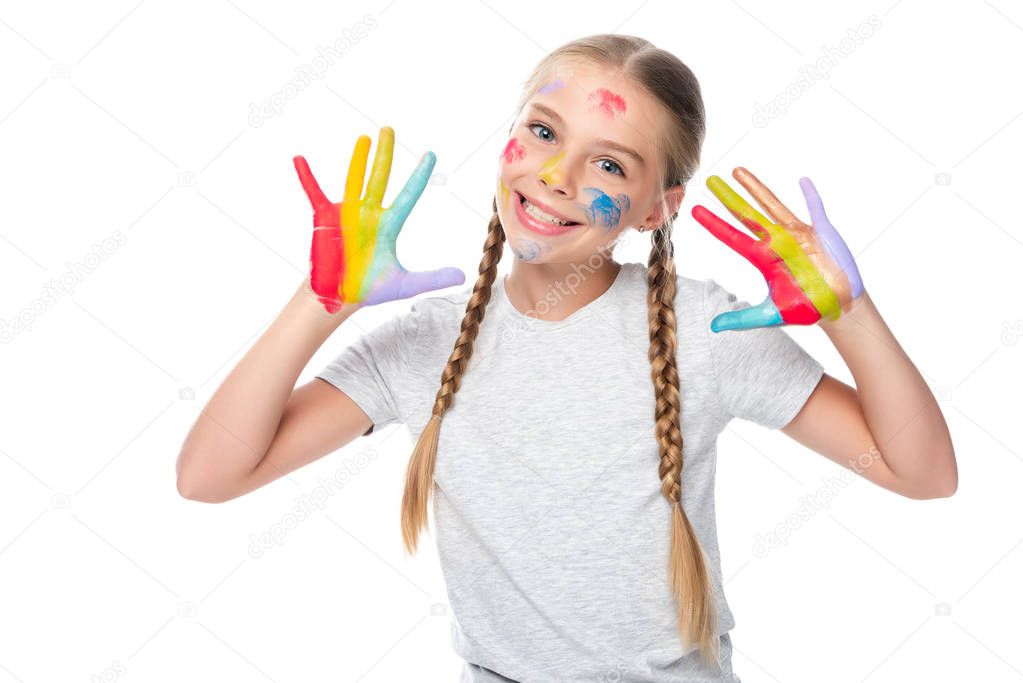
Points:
[(436, 315), (441, 306), (690, 293)]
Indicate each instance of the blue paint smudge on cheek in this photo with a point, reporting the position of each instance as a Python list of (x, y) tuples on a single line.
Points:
[(605, 210)]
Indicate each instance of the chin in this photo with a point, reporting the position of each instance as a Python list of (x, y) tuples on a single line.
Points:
[(528, 249)]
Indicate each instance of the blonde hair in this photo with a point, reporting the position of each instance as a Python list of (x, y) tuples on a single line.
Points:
[(664, 77)]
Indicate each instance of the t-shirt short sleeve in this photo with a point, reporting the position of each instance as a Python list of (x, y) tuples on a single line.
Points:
[(370, 370), (764, 375)]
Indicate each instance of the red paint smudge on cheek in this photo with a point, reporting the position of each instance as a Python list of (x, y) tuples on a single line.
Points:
[(607, 102), (513, 151)]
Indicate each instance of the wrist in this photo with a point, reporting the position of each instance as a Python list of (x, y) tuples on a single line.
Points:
[(854, 317), (307, 304)]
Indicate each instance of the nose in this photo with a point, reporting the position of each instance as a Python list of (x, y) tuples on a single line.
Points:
[(553, 175)]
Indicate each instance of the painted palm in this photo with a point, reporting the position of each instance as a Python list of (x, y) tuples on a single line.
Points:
[(809, 270), (353, 256)]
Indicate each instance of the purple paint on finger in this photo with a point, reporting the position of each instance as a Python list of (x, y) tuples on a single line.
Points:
[(833, 242)]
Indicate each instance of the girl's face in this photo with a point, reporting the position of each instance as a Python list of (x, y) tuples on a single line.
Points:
[(580, 167)]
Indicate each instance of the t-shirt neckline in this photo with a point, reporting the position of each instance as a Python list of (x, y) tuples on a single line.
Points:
[(589, 309)]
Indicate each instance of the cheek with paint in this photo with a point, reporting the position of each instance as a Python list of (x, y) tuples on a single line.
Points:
[(502, 193), (605, 210), (524, 249), (513, 151)]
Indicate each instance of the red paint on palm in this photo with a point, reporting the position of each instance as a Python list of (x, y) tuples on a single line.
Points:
[(327, 254), (789, 298)]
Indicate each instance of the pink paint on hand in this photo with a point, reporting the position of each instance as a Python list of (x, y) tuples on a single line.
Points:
[(513, 151), (607, 102)]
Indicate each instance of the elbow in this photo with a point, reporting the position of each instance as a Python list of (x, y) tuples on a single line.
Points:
[(935, 488), (932, 493), (950, 488), (950, 482), (189, 490), (198, 488)]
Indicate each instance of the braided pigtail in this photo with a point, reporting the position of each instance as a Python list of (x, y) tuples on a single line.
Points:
[(419, 475), (687, 568)]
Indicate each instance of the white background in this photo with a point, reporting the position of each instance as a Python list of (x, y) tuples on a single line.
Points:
[(132, 172)]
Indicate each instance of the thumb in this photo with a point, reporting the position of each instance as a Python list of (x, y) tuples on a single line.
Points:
[(406, 284), (418, 282), (764, 314)]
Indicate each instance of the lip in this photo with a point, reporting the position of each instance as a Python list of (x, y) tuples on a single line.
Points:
[(539, 226)]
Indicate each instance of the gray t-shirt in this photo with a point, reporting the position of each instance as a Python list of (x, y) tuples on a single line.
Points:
[(550, 524)]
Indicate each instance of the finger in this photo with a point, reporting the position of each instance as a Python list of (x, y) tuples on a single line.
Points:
[(764, 314), (381, 167), (309, 184), (767, 200), (833, 242), (407, 284), (417, 282), (813, 201), (411, 193), (738, 241), (357, 170), (739, 207)]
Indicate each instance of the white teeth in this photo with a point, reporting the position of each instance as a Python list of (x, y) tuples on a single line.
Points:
[(540, 215)]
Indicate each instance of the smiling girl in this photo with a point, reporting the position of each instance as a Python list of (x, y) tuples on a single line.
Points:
[(568, 440)]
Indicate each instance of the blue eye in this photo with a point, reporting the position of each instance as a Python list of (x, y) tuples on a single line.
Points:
[(540, 125), (620, 170), (617, 169)]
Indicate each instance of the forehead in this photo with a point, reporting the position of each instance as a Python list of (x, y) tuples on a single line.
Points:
[(603, 103)]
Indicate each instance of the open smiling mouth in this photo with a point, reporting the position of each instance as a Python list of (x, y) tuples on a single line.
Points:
[(538, 220)]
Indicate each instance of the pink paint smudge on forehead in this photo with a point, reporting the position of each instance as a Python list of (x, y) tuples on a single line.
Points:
[(607, 102), (513, 151)]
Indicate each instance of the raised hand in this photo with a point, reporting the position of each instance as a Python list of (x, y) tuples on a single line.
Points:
[(353, 256), (809, 270)]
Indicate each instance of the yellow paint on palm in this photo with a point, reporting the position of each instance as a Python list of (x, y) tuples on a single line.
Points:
[(785, 245), (550, 172), (360, 217)]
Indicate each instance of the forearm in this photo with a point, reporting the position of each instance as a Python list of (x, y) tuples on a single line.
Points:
[(235, 429), (904, 418)]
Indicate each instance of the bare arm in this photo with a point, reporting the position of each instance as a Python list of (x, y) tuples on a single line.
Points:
[(257, 427), (889, 429)]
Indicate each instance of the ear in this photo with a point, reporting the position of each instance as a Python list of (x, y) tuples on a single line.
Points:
[(672, 197)]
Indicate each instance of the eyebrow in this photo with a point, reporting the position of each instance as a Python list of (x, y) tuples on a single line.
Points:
[(602, 141)]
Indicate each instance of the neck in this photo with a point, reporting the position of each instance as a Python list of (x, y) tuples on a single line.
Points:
[(554, 291)]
